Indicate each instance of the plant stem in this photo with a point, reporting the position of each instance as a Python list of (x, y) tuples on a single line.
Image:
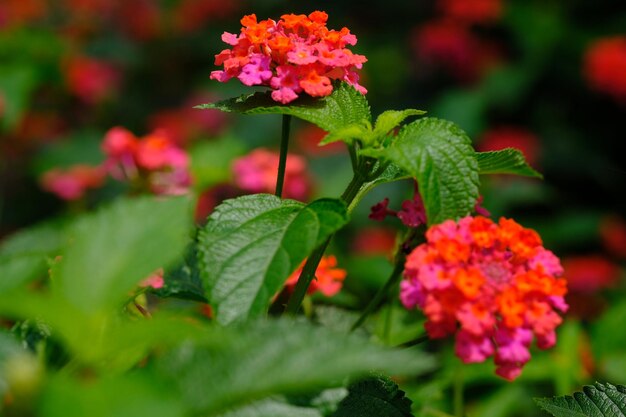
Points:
[(308, 271), (381, 294), (458, 391), (282, 162)]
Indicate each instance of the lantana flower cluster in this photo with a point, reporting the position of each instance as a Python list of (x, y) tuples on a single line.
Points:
[(153, 159), (495, 281), (298, 53)]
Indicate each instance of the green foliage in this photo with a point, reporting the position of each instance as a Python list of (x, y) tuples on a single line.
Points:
[(506, 161), (374, 397), (23, 256), (390, 119), (115, 248), (598, 400), (240, 364), (343, 107), (272, 408), (184, 280), (251, 244), (439, 155)]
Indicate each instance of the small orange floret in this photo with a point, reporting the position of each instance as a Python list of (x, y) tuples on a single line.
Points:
[(511, 308), (249, 20), (469, 281), (452, 250), (483, 232)]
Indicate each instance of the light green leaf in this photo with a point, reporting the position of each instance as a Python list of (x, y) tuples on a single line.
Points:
[(211, 160), (23, 256), (251, 244), (599, 400), (115, 248), (240, 364), (391, 119), (505, 161), (347, 134), (374, 397), (122, 396), (344, 106), (439, 155), (272, 408)]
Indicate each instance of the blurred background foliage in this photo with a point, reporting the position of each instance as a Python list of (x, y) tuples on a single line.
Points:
[(548, 77)]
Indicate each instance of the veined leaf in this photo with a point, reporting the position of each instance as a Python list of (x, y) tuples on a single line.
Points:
[(348, 133), (374, 397), (115, 248), (251, 244), (505, 161), (237, 365), (272, 408), (599, 400), (439, 155), (344, 106)]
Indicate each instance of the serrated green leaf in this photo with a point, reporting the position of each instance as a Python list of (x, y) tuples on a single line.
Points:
[(390, 119), (599, 400), (505, 161), (237, 365), (439, 155), (272, 408), (344, 106), (251, 244), (374, 397), (115, 248), (347, 134), (23, 255), (184, 280)]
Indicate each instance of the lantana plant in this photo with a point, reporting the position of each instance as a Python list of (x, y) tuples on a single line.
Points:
[(87, 291)]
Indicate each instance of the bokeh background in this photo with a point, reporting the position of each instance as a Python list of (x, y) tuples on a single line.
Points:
[(547, 77)]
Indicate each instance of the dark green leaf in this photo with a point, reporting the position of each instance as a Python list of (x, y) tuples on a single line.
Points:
[(344, 106), (439, 155), (240, 364), (16, 86), (599, 400), (505, 161), (374, 397), (251, 244), (23, 255), (115, 248), (184, 281)]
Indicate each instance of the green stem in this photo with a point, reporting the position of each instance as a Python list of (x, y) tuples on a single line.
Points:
[(282, 162), (458, 391), (381, 294), (310, 266)]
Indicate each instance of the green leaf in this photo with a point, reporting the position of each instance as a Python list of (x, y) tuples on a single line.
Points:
[(439, 155), (344, 106), (505, 161), (272, 408), (184, 281), (23, 256), (347, 134), (599, 400), (211, 160), (121, 396), (374, 397), (251, 244), (17, 83), (391, 119), (115, 248), (237, 365)]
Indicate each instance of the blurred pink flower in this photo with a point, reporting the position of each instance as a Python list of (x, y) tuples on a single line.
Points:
[(92, 80), (605, 66), (155, 280), (298, 53), (153, 159), (496, 280), (192, 15), (590, 273), (257, 171), (613, 234), (72, 183)]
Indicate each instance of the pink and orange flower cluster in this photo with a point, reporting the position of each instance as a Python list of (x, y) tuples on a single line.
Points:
[(294, 55), (496, 281)]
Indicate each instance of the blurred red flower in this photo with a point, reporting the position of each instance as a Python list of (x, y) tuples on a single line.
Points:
[(512, 137), (328, 278), (90, 79), (19, 12), (605, 66), (590, 273), (374, 241), (613, 234), (471, 11)]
